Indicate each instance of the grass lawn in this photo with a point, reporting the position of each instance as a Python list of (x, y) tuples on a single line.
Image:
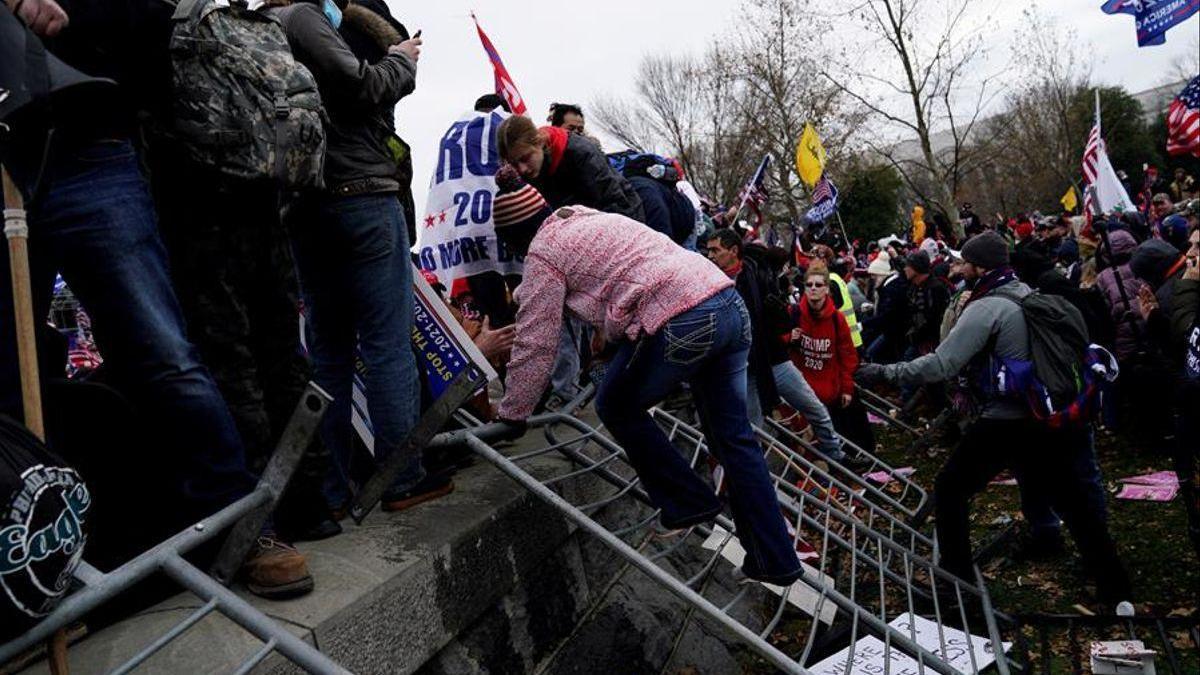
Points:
[(1151, 537)]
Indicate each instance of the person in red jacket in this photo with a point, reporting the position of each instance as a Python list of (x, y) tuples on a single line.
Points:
[(823, 350)]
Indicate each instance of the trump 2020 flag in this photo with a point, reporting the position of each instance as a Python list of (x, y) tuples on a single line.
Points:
[(824, 200), (505, 87), (456, 237), (1153, 18)]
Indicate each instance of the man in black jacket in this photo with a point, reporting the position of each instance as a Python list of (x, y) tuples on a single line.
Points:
[(352, 245)]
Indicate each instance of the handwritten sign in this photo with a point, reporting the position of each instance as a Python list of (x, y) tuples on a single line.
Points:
[(965, 653)]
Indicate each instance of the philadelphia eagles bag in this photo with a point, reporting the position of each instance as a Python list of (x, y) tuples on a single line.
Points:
[(43, 516), (241, 103)]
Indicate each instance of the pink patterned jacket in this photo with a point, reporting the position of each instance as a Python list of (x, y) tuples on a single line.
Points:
[(610, 271)]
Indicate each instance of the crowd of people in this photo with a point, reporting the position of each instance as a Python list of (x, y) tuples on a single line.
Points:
[(193, 280)]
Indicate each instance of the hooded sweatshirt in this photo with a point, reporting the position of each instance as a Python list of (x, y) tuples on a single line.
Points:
[(608, 270), (1123, 246), (825, 353)]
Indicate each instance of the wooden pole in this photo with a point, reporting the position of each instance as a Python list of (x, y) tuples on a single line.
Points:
[(17, 232)]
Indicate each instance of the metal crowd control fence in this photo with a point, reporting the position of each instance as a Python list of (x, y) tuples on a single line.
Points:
[(882, 408), (870, 587), (1052, 643), (245, 516)]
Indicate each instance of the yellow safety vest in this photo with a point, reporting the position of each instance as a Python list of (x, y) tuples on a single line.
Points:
[(847, 310)]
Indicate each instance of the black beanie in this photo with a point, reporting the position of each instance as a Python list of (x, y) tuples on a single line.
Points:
[(987, 250), (919, 262)]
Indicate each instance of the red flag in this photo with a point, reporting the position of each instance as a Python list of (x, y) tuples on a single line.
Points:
[(504, 84)]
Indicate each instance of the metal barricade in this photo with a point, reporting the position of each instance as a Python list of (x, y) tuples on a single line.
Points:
[(870, 587), (245, 516)]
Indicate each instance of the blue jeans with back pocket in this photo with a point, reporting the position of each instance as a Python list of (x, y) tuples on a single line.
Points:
[(708, 347)]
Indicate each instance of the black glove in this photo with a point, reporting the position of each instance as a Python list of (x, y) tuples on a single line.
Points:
[(511, 430), (869, 374)]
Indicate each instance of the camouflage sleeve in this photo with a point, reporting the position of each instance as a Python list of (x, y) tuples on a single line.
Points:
[(338, 71)]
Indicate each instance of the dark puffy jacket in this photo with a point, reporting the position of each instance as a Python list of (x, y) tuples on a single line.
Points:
[(359, 97), (369, 28), (1159, 264), (1091, 305), (665, 209), (1123, 246), (891, 311), (583, 176), (763, 346)]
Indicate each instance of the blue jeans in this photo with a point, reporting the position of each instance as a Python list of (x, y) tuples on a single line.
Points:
[(94, 222), (708, 347), (356, 280), (796, 392), (564, 378)]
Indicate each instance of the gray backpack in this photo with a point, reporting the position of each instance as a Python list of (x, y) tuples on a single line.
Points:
[(241, 103)]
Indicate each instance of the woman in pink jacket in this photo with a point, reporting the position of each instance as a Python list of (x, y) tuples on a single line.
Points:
[(676, 318)]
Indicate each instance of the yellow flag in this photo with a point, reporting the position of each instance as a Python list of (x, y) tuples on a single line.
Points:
[(810, 156), (1068, 200)]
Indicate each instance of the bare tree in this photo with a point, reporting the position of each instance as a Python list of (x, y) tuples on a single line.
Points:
[(689, 109), (784, 89), (926, 83), (1187, 64), (1038, 131)]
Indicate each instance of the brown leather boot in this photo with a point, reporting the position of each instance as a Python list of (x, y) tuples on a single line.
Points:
[(276, 571)]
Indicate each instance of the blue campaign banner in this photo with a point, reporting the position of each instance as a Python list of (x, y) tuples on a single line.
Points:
[(1153, 18), (443, 347), (825, 201)]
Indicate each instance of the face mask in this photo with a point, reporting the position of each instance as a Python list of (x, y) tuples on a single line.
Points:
[(332, 13)]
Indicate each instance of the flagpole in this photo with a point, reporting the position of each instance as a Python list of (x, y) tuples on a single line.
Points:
[(838, 212), (762, 166)]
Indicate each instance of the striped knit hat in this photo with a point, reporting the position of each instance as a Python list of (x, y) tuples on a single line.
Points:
[(518, 211)]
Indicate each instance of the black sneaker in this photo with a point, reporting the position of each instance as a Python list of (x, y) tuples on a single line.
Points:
[(432, 486)]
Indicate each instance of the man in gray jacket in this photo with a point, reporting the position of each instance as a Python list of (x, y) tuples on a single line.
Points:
[(1005, 436)]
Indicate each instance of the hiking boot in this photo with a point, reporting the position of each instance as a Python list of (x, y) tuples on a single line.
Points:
[(432, 486), (275, 570)]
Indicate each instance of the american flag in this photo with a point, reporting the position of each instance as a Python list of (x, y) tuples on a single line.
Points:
[(1183, 121), (754, 194), (822, 191), (1091, 157)]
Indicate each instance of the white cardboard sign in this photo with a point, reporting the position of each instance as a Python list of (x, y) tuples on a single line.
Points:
[(872, 658)]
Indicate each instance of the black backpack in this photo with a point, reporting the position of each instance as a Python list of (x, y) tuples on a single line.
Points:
[(43, 516), (1061, 380), (242, 104)]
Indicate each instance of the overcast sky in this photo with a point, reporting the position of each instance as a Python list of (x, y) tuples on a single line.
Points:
[(571, 52)]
